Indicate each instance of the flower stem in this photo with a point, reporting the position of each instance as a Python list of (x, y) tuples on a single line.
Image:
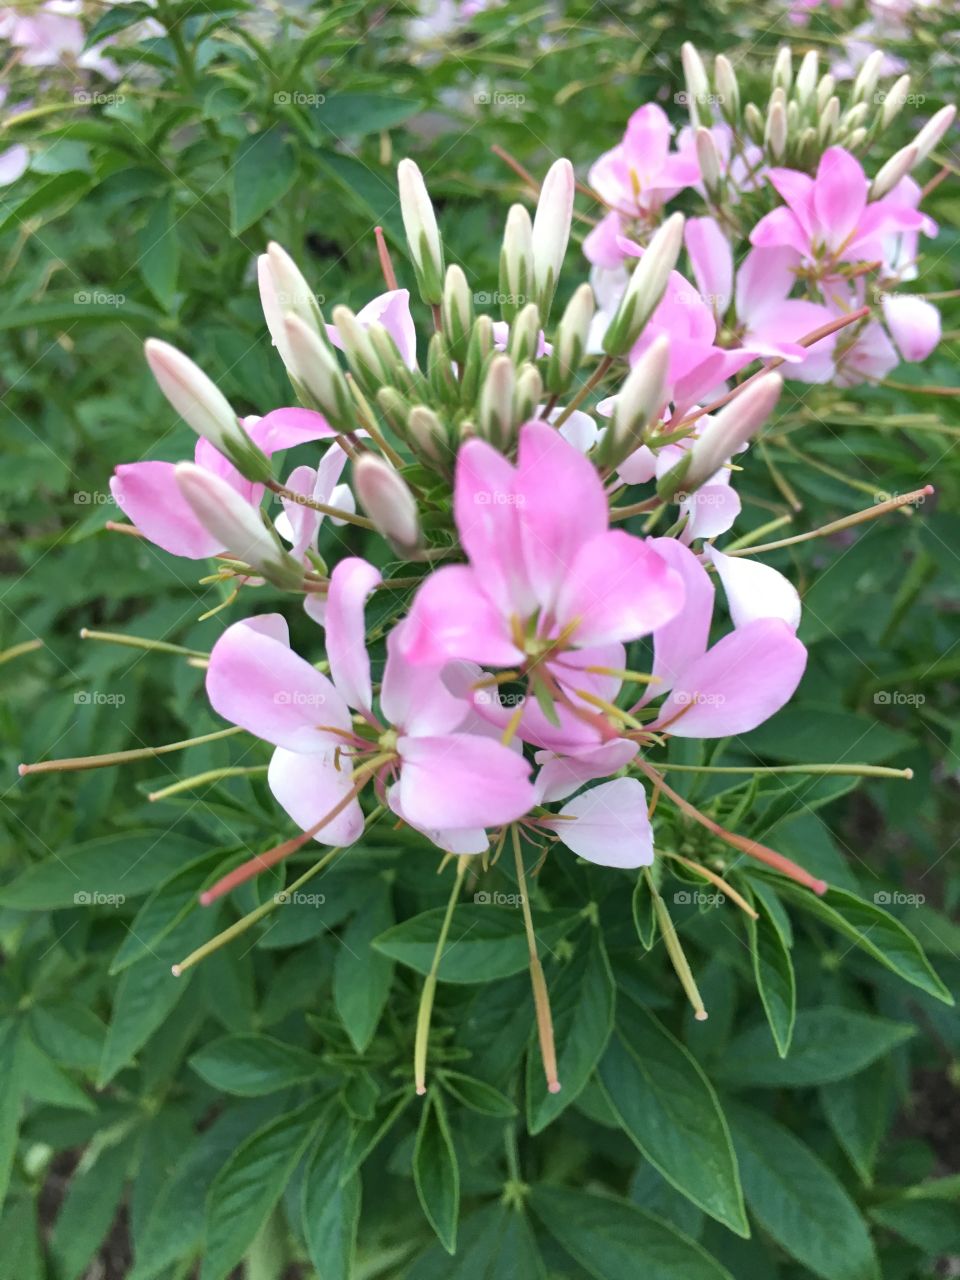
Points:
[(349, 517), (422, 1038)]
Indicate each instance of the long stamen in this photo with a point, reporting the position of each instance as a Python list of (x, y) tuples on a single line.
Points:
[(833, 770), (750, 847), (386, 264), (541, 998), (615, 712), (76, 763), (201, 779), (141, 642), (18, 650), (422, 1038), (719, 881), (675, 951)]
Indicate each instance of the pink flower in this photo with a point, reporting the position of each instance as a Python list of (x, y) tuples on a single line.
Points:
[(827, 219), (608, 825), (392, 310), (547, 580), (420, 758), (148, 494)]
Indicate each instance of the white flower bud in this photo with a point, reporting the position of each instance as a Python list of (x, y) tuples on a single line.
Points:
[(637, 404), (524, 334), (495, 410), (647, 286), (775, 133), (806, 83), (456, 313), (205, 408), (856, 116), (695, 78), (727, 88), (358, 348), (516, 263), (317, 373), (829, 120), (893, 101), (426, 434), (825, 90), (754, 122), (423, 234), (782, 76), (897, 167), (387, 500), (528, 394), (867, 77), (551, 231), (237, 525), (711, 170), (933, 131), (570, 340)]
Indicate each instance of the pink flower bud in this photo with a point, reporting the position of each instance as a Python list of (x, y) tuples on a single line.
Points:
[(387, 500)]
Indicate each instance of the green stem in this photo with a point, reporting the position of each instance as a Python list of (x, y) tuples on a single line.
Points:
[(430, 985)]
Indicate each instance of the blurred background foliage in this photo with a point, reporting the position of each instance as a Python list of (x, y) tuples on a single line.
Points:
[(149, 194)]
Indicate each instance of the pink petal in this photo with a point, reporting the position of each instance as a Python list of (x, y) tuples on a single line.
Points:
[(797, 189), (453, 617), (256, 681), (351, 582), (417, 699), (712, 262), (392, 310), (286, 428), (741, 681), (609, 826), (839, 195), (148, 493), (755, 590), (459, 780), (562, 505), (682, 640), (764, 281), (309, 786), (711, 510), (617, 588), (914, 324), (646, 141), (601, 246), (468, 840), (778, 228), (13, 164), (486, 507), (299, 523), (561, 775)]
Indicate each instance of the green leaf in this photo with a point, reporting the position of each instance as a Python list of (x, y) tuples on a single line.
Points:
[(798, 1201), (773, 972), (163, 910), (50, 198), (11, 1095), (20, 1232), (858, 1111), (253, 1065), (45, 1082), (801, 733), (828, 1044), (362, 976), (477, 1095), (355, 114), (609, 1237), (644, 913), (485, 942), (436, 1171), (581, 1001), (932, 1225), (88, 1211), (251, 1182), (880, 934), (496, 1243), (263, 172), (109, 870), (159, 256), (666, 1104), (71, 1034), (115, 20), (330, 1207), (374, 192)]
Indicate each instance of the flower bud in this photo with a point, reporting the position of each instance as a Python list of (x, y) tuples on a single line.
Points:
[(495, 415), (695, 78), (933, 131), (516, 262), (551, 232), (893, 101), (856, 116), (427, 436), (867, 77), (570, 341), (825, 90), (390, 365), (897, 167), (528, 394), (358, 349), (646, 287), (735, 424), (237, 525), (387, 500), (753, 121), (782, 76), (775, 133), (456, 313), (423, 234), (284, 291), (806, 83), (708, 158), (525, 334), (829, 120), (855, 139), (479, 352), (727, 88), (205, 408), (440, 375), (638, 403), (394, 408), (317, 372)]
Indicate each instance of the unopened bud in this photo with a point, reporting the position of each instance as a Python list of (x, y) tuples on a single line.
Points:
[(646, 288), (551, 232), (440, 374), (283, 292), (894, 101), (495, 417), (753, 121), (479, 352), (708, 158), (806, 83), (426, 434), (516, 262), (867, 76), (423, 234), (897, 167), (236, 525), (735, 424), (775, 134), (727, 88), (387, 500), (638, 403), (856, 116), (394, 408), (825, 90), (317, 373), (456, 313), (695, 78), (205, 408), (525, 334), (358, 349), (570, 341), (829, 120), (933, 131), (855, 139), (782, 76), (390, 365), (528, 394)]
